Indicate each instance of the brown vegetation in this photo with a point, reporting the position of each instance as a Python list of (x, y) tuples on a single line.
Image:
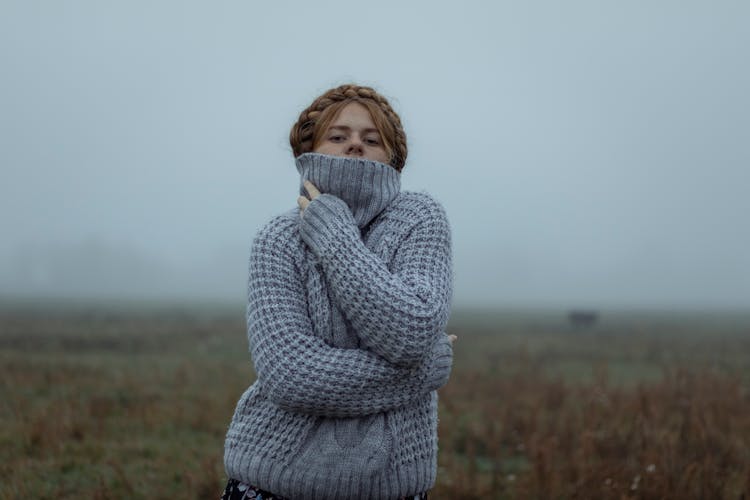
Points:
[(126, 405)]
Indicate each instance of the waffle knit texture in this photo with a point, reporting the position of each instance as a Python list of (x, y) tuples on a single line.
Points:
[(347, 307)]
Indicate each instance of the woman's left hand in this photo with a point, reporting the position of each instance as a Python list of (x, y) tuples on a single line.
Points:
[(302, 201)]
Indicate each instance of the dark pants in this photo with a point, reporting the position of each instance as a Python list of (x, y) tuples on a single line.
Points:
[(237, 490)]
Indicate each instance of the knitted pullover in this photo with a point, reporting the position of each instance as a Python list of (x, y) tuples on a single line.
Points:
[(346, 313)]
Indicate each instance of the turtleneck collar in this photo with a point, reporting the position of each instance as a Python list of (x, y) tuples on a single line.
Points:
[(367, 186)]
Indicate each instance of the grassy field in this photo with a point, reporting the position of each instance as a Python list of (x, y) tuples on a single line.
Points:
[(133, 402)]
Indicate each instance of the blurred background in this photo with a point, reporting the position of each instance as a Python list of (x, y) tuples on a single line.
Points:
[(593, 160), (588, 153)]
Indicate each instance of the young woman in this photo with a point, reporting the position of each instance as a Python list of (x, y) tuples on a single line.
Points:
[(348, 298)]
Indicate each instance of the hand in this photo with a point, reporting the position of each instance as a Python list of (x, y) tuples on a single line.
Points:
[(452, 338), (302, 201)]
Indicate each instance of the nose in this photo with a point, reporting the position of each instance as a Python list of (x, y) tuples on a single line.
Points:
[(355, 147)]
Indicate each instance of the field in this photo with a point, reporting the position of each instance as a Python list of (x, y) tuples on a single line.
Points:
[(133, 402)]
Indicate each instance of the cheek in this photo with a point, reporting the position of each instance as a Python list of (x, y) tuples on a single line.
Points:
[(325, 148), (381, 156)]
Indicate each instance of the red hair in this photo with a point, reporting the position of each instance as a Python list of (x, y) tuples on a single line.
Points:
[(314, 121)]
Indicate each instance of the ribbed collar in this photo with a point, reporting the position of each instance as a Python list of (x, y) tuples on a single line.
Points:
[(367, 186)]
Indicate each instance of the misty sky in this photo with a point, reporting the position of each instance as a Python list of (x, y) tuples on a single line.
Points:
[(589, 153)]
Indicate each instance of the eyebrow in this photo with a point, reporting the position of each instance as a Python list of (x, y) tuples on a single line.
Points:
[(344, 127)]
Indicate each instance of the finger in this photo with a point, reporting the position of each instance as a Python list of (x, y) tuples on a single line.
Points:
[(303, 202), (311, 189), (452, 338)]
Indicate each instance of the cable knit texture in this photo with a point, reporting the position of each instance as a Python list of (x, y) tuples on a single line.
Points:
[(347, 307)]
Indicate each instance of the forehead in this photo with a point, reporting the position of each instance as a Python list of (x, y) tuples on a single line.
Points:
[(353, 113)]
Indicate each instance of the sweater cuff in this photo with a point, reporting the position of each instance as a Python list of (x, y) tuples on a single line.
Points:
[(324, 219), (439, 368)]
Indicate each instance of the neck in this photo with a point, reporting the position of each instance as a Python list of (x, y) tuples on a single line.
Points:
[(367, 186)]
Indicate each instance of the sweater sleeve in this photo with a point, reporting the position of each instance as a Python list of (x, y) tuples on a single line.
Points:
[(400, 312), (299, 371)]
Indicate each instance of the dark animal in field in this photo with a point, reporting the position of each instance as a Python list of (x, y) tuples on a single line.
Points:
[(582, 318)]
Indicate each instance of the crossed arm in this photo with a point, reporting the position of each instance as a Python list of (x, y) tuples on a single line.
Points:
[(397, 313), (299, 371)]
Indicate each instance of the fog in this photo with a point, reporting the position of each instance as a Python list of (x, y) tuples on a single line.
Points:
[(588, 153)]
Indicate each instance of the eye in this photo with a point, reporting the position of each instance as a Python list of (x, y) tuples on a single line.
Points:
[(336, 138), (372, 141)]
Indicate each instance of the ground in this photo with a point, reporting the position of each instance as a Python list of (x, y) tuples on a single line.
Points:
[(132, 401)]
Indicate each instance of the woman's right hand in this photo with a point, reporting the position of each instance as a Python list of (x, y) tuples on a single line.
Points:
[(452, 338), (312, 192)]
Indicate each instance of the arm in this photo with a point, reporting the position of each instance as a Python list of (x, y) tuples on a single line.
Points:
[(397, 313), (299, 371)]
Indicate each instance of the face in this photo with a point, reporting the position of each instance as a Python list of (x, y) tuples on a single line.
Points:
[(354, 134)]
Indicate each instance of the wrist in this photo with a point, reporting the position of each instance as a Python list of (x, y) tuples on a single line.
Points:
[(326, 218)]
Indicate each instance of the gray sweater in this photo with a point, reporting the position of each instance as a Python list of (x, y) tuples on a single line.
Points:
[(346, 313)]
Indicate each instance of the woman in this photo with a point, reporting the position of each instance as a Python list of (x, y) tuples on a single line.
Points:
[(348, 298)]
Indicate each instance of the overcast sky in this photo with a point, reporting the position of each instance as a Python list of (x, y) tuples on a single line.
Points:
[(589, 153)]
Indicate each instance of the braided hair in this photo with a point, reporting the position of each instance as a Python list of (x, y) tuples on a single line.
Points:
[(313, 121)]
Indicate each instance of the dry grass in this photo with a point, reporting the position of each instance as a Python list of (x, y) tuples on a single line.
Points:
[(108, 404)]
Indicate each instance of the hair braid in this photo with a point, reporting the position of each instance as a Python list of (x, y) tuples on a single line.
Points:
[(301, 137)]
